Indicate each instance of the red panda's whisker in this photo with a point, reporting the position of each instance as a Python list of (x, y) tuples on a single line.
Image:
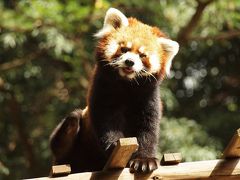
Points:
[(114, 64), (149, 74), (139, 74), (135, 80)]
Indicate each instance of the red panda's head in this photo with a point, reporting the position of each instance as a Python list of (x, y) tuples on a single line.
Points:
[(135, 49)]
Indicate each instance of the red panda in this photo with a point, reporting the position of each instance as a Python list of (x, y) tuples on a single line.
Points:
[(123, 98)]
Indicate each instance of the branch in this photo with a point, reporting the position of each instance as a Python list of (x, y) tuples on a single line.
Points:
[(17, 62), (186, 31), (220, 36)]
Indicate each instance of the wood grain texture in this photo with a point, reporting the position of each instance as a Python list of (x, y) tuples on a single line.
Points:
[(122, 153), (233, 148), (212, 169), (228, 168)]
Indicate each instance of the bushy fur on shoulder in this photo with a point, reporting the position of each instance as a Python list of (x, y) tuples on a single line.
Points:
[(123, 98)]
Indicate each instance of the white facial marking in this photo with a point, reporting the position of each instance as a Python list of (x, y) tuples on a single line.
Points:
[(111, 49), (131, 76), (121, 73), (129, 44), (155, 63), (138, 66), (141, 49)]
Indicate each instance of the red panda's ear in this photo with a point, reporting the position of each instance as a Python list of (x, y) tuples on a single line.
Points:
[(170, 48), (114, 19)]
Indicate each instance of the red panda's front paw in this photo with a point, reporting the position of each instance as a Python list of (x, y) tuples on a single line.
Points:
[(143, 165)]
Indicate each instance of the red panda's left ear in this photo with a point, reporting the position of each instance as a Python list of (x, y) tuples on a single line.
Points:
[(114, 19), (170, 48)]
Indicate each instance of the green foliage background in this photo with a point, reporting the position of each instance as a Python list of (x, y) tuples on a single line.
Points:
[(47, 57)]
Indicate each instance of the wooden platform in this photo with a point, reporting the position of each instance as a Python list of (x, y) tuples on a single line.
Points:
[(221, 169), (213, 169)]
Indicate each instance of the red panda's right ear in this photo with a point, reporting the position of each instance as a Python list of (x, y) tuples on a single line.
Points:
[(170, 48), (114, 19)]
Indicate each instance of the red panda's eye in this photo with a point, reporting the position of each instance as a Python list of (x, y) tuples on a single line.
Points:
[(125, 49), (143, 55)]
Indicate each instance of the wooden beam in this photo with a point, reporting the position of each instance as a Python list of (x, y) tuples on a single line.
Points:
[(122, 153), (212, 169), (171, 158), (60, 170), (233, 148)]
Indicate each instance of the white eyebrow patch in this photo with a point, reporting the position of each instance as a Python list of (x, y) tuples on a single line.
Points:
[(141, 49), (129, 44), (111, 48)]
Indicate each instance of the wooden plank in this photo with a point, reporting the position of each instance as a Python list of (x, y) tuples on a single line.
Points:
[(60, 170), (122, 153), (171, 158), (212, 169), (233, 148)]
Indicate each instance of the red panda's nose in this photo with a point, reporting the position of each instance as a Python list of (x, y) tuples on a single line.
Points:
[(129, 62)]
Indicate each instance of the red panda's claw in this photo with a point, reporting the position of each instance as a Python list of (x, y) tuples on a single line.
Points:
[(143, 165)]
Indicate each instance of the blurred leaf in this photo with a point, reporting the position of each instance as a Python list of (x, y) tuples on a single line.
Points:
[(189, 138)]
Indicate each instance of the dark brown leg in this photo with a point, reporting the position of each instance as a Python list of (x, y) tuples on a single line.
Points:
[(63, 136)]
